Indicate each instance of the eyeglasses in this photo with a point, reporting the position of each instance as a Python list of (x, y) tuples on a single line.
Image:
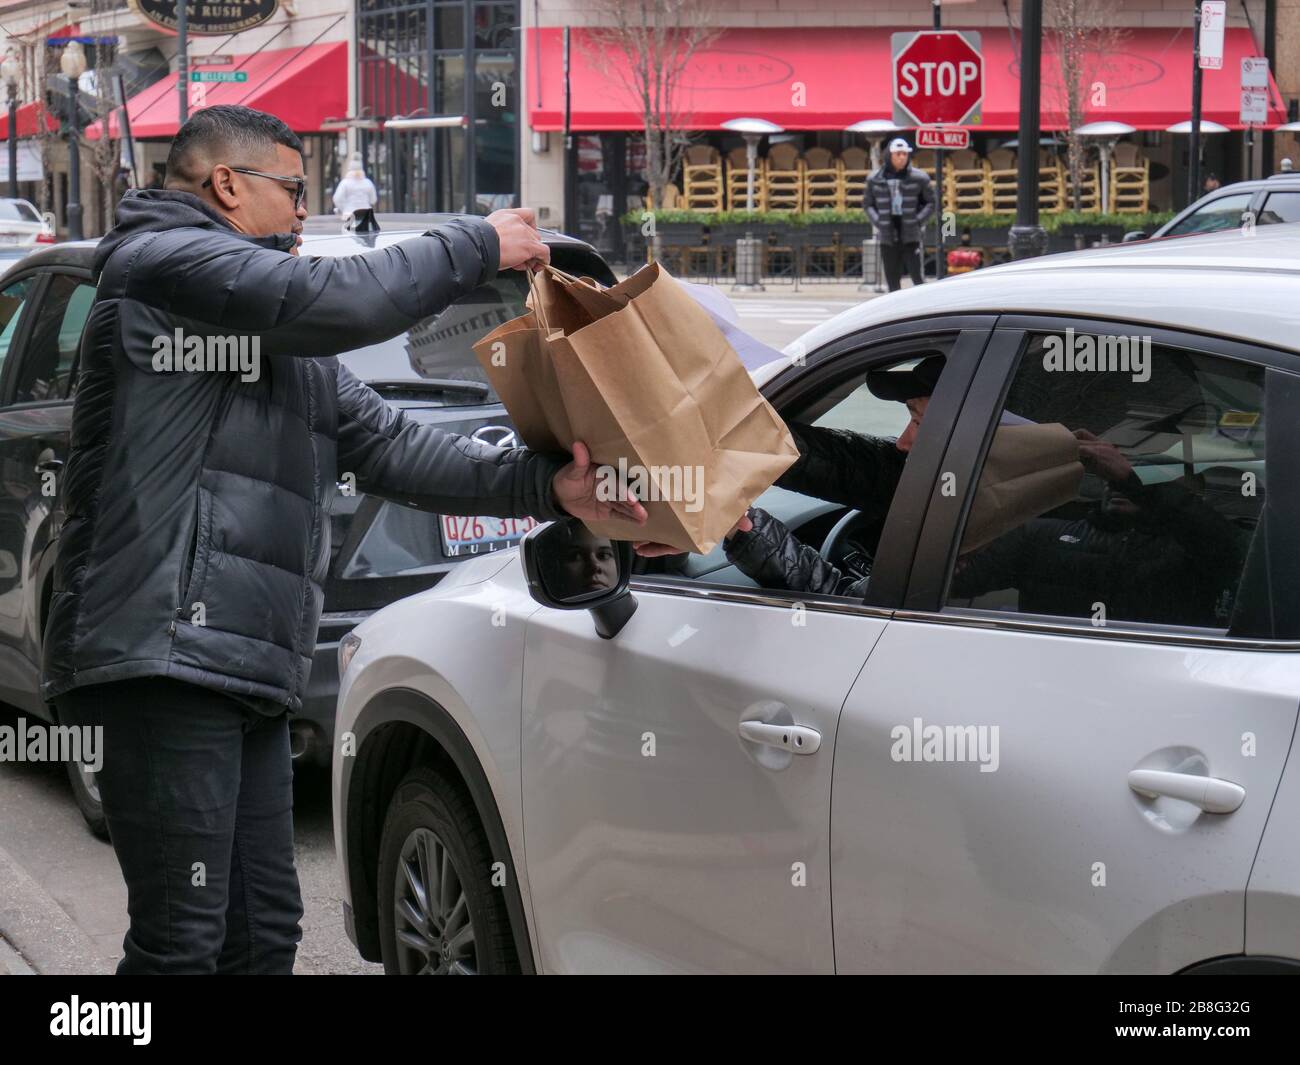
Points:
[(299, 192)]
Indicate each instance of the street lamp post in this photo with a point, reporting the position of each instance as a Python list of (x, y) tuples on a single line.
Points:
[(9, 72), (749, 250), (73, 65)]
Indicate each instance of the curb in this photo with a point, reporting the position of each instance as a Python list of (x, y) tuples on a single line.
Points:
[(36, 934)]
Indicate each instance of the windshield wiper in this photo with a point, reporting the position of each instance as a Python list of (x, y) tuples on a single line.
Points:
[(439, 385)]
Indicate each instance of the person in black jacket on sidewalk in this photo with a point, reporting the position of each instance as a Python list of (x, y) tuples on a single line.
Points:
[(899, 201), (188, 583)]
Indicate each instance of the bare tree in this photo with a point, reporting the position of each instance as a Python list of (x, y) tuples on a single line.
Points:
[(1085, 37), (657, 40)]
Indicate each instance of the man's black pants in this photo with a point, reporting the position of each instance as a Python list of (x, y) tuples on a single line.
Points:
[(198, 795), (895, 258)]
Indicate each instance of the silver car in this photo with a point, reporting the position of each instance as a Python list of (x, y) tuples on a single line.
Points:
[(1067, 750)]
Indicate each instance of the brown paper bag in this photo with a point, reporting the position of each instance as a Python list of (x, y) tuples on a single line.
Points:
[(1030, 469), (642, 375)]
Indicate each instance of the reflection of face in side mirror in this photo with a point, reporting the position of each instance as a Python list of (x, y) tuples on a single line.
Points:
[(579, 563), (571, 568)]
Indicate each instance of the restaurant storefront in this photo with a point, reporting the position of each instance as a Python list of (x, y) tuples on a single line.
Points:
[(814, 81)]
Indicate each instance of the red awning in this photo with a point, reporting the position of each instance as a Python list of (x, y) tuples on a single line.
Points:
[(301, 86), (29, 116), (845, 73)]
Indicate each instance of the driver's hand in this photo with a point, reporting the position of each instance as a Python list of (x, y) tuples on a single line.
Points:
[(650, 549)]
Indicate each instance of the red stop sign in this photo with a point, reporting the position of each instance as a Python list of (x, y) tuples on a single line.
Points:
[(938, 78)]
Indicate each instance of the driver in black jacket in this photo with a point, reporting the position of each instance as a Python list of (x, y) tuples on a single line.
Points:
[(188, 585), (1155, 553)]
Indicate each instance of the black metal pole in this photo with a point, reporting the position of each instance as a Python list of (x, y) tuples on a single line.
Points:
[(74, 166), (183, 59), (1194, 139), (1027, 238), (940, 266), (1270, 53), (471, 78), (13, 141), (569, 152), (120, 84)]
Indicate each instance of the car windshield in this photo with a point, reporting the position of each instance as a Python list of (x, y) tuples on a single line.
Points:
[(18, 211), (437, 356), (1223, 213)]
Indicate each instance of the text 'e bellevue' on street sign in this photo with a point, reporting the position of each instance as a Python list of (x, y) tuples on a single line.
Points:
[(942, 138), (938, 77), (218, 75)]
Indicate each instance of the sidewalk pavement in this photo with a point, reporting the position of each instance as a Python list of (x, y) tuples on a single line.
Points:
[(36, 935)]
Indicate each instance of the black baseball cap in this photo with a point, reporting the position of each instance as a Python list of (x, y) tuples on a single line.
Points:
[(902, 385)]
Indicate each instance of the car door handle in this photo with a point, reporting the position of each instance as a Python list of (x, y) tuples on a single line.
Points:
[(797, 739), (1211, 794)]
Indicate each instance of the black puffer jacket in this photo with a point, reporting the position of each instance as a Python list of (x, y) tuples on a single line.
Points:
[(852, 469), (197, 487), (918, 202), (1176, 561)]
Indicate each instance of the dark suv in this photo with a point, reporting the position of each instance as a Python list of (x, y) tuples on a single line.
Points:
[(381, 551)]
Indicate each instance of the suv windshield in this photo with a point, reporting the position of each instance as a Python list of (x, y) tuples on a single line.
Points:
[(440, 349)]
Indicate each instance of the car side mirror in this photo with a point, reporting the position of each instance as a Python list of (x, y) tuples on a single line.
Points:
[(570, 568), (1133, 234)]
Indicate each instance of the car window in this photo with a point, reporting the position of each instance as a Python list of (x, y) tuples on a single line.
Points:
[(1280, 207), (1128, 493), (50, 355), (18, 211), (1223, 213), (440, 348), (13, 298)]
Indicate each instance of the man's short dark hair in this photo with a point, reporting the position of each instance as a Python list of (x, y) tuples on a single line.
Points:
[(226, 133)]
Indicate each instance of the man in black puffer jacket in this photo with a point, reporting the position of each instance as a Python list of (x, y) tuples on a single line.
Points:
[(188, 585)]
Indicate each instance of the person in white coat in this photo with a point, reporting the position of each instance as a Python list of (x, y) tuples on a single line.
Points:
[(354, 191)]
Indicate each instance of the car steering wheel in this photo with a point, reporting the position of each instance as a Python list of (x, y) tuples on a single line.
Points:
[(845, 548)]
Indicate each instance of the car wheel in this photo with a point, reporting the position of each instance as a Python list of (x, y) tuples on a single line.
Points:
[(439, 912), (85, 789)]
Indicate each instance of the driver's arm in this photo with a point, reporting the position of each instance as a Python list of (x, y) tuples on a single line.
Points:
[(839, 466), (770, 555)]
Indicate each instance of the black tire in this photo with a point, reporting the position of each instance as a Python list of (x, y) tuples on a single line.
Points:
[(86, 793), (431, 823)]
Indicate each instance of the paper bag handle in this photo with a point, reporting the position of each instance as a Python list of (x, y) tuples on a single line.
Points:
[(586, 289), (538, 302)]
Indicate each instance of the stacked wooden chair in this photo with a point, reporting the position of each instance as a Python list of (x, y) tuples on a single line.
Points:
[(823, 179), (855, 164), (1051, 181), (1130, 179), (1003, 180), (783, 181), (967, 181), (702, 179)]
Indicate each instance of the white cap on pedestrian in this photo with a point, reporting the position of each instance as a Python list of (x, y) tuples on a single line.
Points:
[(900, 145)]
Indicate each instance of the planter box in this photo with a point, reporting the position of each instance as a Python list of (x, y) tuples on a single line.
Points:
[(989, 236)]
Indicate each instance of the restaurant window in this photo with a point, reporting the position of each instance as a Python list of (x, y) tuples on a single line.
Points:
[(441, 58)]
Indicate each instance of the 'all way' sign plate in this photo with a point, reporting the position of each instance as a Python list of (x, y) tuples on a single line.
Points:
[(942, 138)]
